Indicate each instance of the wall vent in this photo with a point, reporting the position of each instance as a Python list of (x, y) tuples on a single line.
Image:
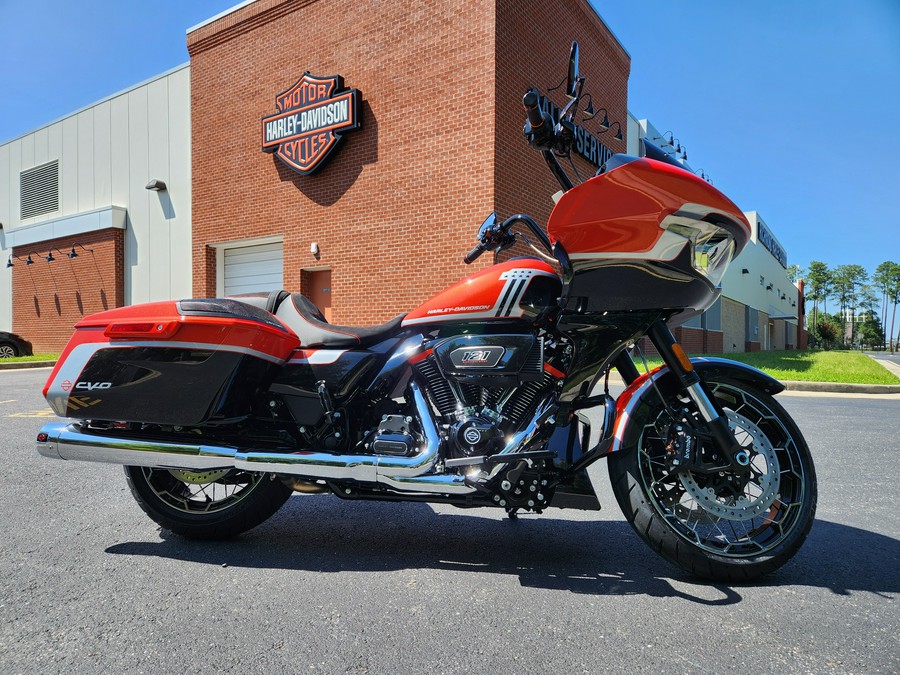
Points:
[(39, 190)]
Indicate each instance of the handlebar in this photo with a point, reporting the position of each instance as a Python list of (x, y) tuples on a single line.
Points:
[(530, 101), (474, 254)]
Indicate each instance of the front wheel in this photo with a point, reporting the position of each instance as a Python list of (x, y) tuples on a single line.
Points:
[(717, 524), (206, 504)]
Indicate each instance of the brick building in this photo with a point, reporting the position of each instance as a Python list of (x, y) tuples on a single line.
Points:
[(187, 202)]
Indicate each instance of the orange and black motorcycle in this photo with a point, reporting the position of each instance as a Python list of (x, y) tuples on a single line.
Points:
[(482, 396)]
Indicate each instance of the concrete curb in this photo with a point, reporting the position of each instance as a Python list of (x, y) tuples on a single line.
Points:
[(26, 364), (790, 385), (841, 387)]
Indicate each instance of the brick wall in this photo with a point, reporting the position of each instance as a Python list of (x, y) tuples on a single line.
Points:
[(733, 322), (49, 298), (397, 206), (534, 53)]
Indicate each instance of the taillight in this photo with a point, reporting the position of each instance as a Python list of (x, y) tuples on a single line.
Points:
[(142, 329)]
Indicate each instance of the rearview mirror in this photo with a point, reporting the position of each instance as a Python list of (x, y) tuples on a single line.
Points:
[(572, 82)]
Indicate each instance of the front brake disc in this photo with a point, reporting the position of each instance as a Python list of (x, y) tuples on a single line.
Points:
[(760, 491)]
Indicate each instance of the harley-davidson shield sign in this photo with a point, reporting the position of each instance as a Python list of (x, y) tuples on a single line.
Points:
[(312, 116)]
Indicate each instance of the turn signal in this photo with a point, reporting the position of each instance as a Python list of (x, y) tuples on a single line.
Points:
[(682, 358)]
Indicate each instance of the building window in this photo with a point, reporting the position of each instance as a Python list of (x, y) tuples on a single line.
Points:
[(39, 190), (762, 280)]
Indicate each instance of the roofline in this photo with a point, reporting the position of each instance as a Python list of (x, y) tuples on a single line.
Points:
[(219, 16), (243, 4), (590, 4), (98, 102)]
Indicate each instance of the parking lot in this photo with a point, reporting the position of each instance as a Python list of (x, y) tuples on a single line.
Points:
[(89, 584)]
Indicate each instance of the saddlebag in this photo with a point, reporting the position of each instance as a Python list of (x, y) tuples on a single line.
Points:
[(181, 363)]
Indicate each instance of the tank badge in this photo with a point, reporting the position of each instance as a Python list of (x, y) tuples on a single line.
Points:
[(311, 118)]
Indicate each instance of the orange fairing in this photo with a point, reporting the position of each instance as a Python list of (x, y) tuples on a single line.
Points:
[(627, 212)]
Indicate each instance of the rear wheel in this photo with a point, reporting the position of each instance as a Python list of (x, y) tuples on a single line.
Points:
[(206, 504), (720, 525)]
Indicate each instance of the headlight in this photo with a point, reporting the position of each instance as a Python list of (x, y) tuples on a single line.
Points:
[(713, 248)]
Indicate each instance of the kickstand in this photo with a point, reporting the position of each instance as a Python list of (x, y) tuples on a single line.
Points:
[(512, 513)]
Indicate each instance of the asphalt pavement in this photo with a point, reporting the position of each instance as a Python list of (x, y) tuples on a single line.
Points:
[(89, 584)]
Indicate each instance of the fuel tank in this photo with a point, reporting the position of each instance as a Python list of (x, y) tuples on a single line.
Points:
[(521, 288)]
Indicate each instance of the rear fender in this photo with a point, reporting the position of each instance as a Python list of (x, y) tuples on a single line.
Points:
[(707, 368)]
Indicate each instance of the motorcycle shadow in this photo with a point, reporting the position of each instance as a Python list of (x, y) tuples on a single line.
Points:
[(578, 554)]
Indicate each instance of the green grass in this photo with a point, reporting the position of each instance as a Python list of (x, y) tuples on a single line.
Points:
[(809, 366), (47, 356)]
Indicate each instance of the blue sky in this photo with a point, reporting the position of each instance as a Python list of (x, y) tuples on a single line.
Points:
[(789, 106)]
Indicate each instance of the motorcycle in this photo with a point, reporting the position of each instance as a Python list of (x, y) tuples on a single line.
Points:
[(483, 396)]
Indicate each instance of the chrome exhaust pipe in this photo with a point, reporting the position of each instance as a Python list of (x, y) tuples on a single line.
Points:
[(60, 440)]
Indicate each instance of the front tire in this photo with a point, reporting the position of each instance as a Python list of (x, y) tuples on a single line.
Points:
[(718, 526), (207, 504)]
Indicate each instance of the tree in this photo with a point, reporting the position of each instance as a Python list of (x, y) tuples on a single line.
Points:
[(794, 272), (847, 282), (870, 331), (894, 297), (818, 286), (883, 278)]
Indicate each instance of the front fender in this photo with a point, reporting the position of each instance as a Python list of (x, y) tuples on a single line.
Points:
[(707, 368)]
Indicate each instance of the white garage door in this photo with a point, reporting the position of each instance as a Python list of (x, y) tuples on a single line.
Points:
[(251, 269)]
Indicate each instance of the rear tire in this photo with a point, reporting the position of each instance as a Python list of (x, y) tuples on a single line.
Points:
[(714, 525), (207, 504)]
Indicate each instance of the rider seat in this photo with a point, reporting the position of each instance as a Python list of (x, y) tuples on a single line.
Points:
[(306, 320)]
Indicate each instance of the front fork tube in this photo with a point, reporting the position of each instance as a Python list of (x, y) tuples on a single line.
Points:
[(717, 424)]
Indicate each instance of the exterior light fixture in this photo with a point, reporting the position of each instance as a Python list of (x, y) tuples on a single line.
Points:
[(745, 271), (156, 185), (49, 257), (769, 287), (29, 261), (314, 249), (72, 254), (9, 260), (618, 135)]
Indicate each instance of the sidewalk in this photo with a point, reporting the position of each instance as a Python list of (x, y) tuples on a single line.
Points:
[(790, 385)]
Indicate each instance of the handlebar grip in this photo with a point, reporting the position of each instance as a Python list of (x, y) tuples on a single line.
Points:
[(473, 255), (530, 101)]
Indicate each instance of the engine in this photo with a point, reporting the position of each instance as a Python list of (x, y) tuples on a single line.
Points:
[(485, 387)]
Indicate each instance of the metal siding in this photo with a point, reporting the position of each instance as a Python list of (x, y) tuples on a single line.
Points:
[(41, 151), (86, 160), (137, 259), (26, 150), (118, 144), (102, 166), (68, 167), (180, 241), (159, 203), (15, 167), (252, 269), (5, 276)]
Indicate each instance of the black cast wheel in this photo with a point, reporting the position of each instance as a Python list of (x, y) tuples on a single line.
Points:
[(206, 504), (720, 525)]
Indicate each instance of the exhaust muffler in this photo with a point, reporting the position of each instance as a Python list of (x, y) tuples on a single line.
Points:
[(60, 440)]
